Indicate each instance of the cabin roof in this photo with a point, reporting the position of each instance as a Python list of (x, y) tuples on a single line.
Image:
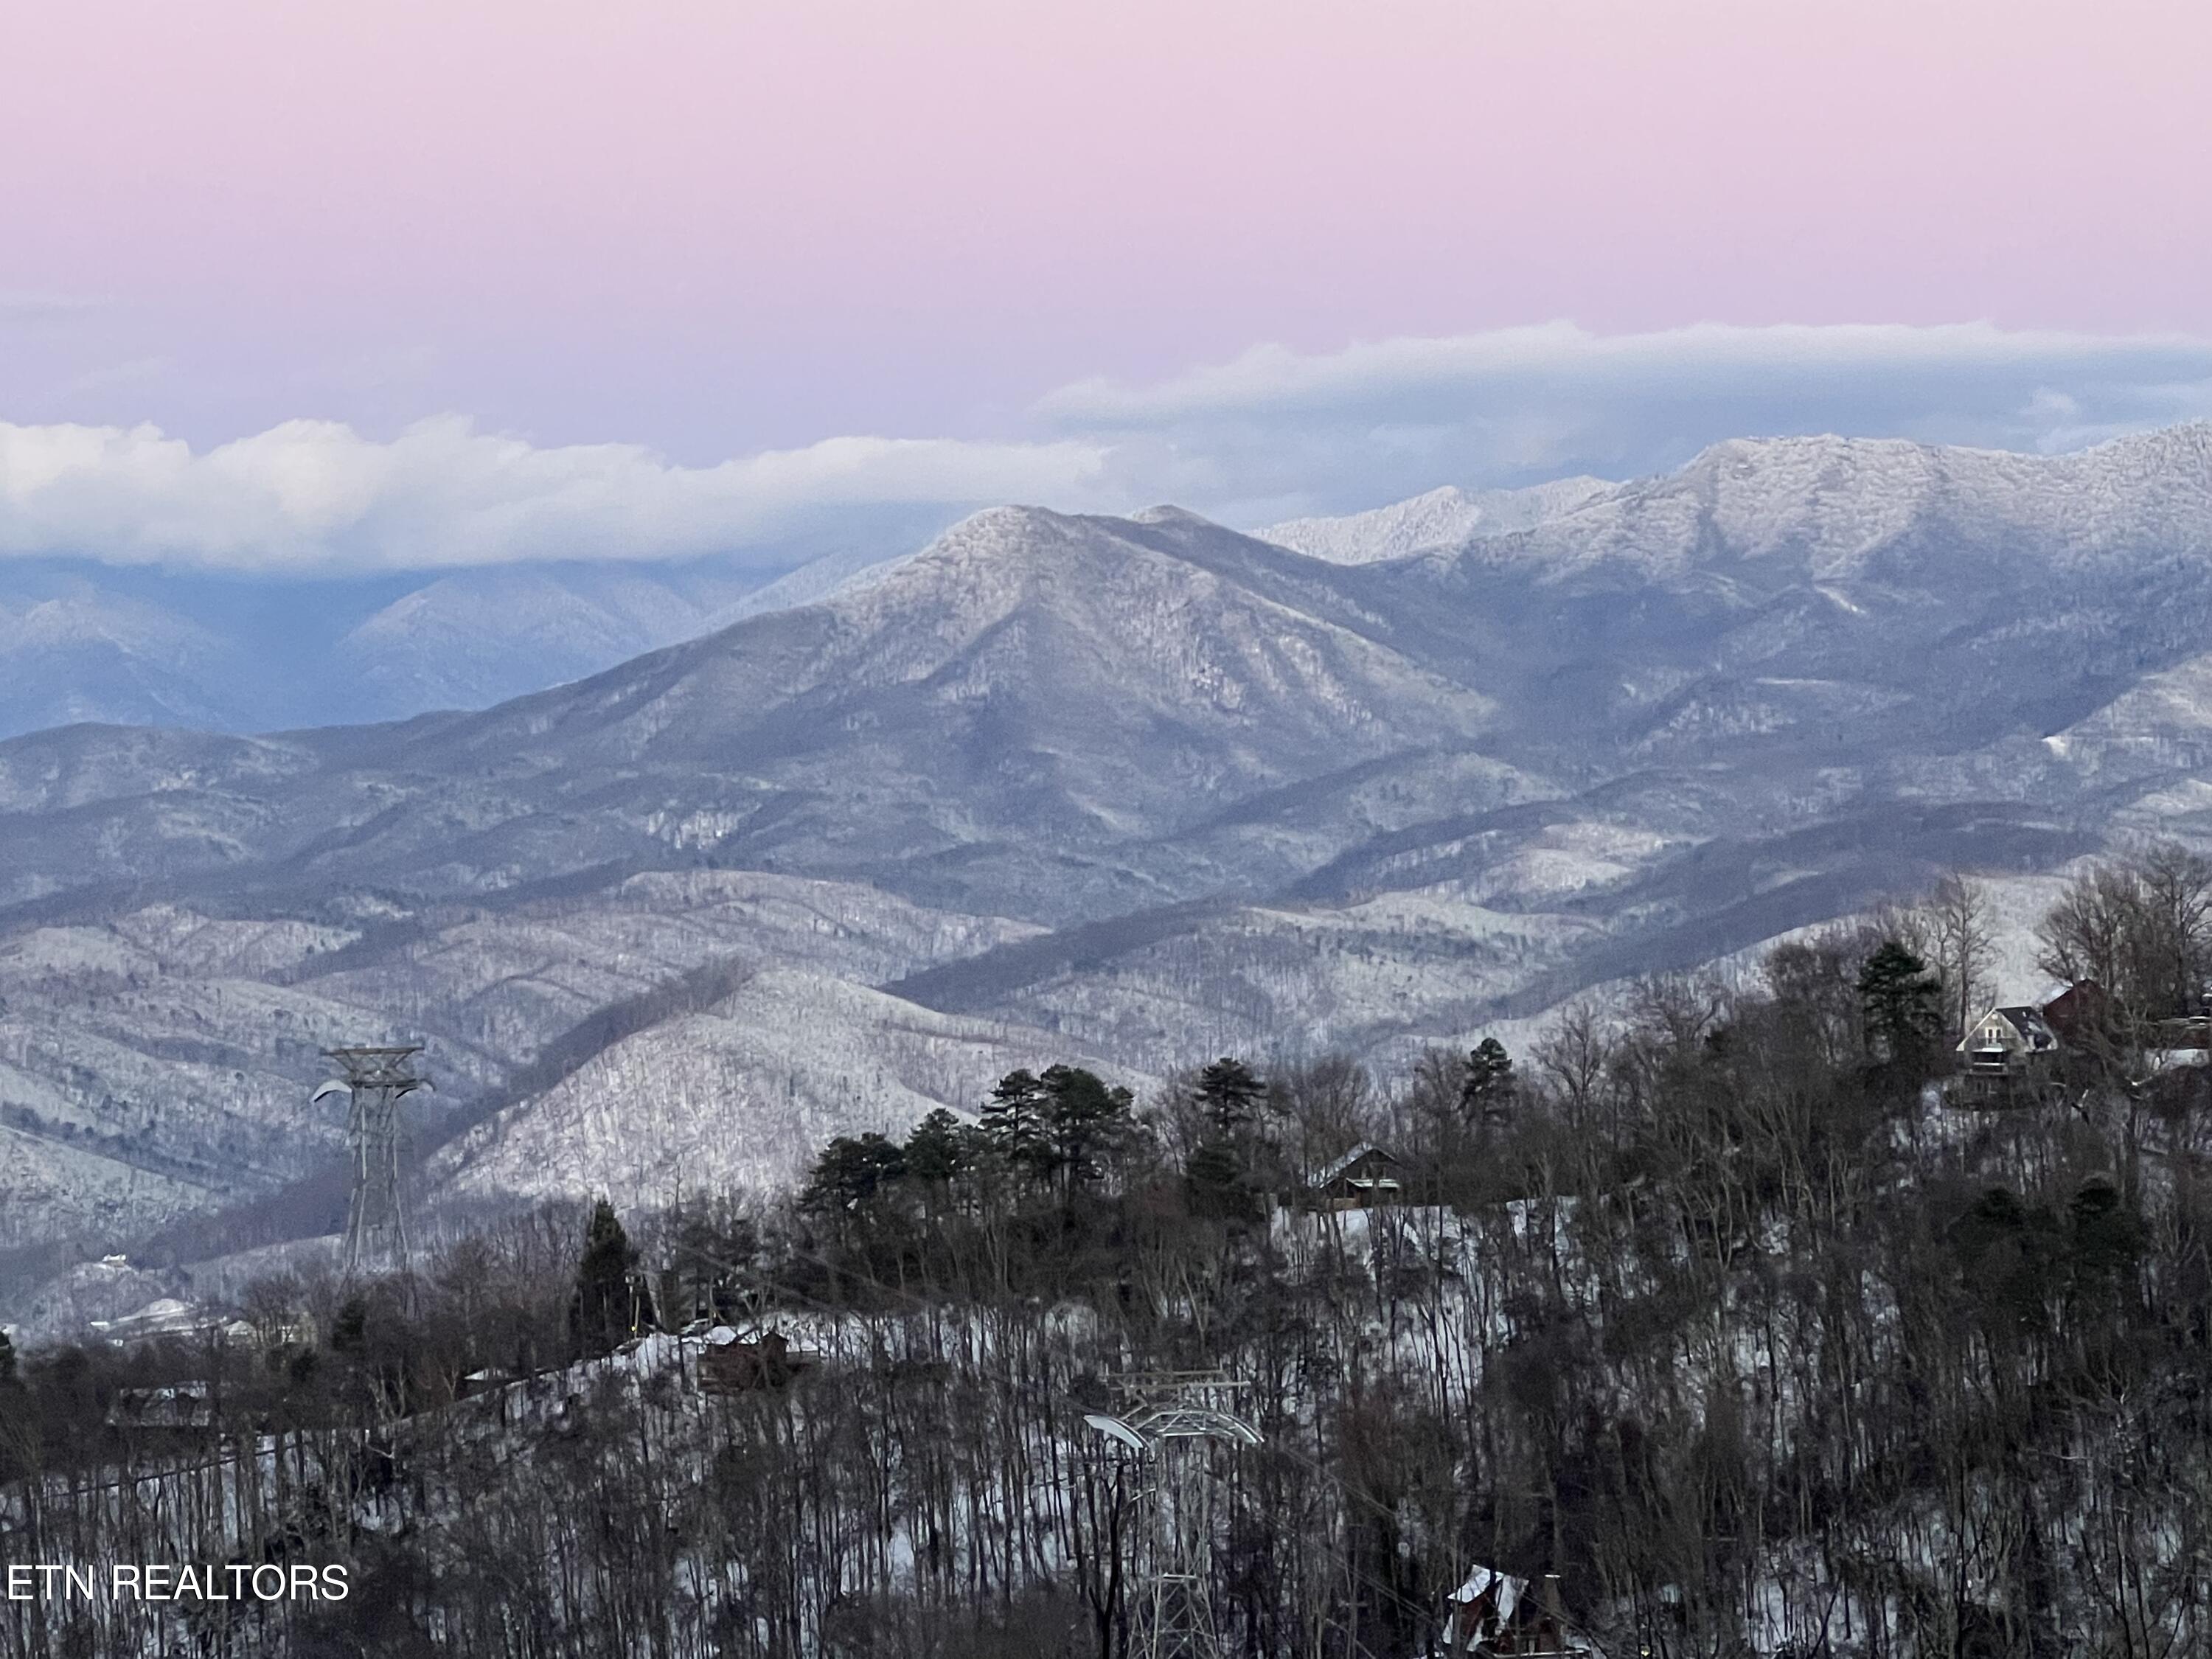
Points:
[(2024, 1017), (1365, 1149)]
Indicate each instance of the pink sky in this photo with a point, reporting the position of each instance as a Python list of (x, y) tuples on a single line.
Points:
[(714, 225)]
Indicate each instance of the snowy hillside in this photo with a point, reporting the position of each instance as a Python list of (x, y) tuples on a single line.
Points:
[(70, 652), (742, 1095), (816, 579), (1141, 790), (470, 641), (161, 1062), (1839, 509), (81, 642), (1441, 519)]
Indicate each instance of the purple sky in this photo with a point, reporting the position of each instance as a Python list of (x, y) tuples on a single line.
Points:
[(718, 227)]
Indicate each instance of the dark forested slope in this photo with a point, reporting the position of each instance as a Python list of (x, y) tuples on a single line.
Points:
[(1737, 1311)]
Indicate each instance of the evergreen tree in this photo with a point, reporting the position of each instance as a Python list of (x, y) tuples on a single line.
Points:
[(1486, 1091), (610, 1304), (1084, 1123), (7, 1360), (349, 1326), (1900, 1005), (1214, 1179), (940, 1148), (850, 1172), (1014, 1123), (1230, 1095), (715, 1249), (2108, 1243)]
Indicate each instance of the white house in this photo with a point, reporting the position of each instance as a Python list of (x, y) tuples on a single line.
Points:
[(2004, 1040)]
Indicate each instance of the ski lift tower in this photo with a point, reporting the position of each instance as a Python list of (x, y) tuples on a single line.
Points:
[(1178, 1419), (375, 1080)]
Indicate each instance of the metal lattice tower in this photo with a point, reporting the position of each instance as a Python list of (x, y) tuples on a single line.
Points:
[(376, 1079), (1178, 1419)]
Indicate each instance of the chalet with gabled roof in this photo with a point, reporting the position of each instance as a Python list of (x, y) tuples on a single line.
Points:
[(2008, 1041), (1362, 1179)]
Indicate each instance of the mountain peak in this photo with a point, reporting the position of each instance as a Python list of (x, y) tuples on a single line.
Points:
[(2186, 445), (1168, 514), (1796, 453), (1430, 522), (1014, 518), (1828, 508)]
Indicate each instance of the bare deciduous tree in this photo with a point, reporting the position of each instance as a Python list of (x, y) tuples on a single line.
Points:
[(2141, 928), (1958, 924)]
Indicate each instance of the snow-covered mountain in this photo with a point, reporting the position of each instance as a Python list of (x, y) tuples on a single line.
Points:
[(473, 640), (70, 651), (817, 578), (742, 1094), (484, 636), (80, 642), (1133, 791), (1830, 509), (1440, 520)]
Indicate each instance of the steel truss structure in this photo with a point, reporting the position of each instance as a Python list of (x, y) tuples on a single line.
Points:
[(375, 1079), (1177, 1420)]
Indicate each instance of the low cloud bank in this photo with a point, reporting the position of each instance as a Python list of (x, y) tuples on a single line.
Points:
[(1272, 433)]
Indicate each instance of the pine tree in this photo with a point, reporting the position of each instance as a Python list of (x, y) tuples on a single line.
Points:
[(850, 1172), (1013, 1124), (1900, 1005), (1230, 1095), (610, 1304), (1485, 1091), (2107, 1241), (7, 1360), (1214, 1177), (940, 1148), (1084, 1123)]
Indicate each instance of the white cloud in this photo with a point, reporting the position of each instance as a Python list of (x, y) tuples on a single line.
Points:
[(1275, 430), (1268, 436), (314, 495), (1550, 357)]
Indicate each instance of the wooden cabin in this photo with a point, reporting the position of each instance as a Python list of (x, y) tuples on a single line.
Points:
[(1365, 1178), (2078, 1013), (737, 1365)]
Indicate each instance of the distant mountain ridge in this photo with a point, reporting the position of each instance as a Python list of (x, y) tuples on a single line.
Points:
[(1437, 521), (1137, 791), (1835, 507), (72, 653), (80, 642), (470, 641)]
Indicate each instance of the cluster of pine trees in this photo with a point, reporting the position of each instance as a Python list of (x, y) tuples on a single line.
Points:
[(1722, 1303)]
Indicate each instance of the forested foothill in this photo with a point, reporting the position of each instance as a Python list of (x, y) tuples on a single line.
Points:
[(1735, 1307)]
